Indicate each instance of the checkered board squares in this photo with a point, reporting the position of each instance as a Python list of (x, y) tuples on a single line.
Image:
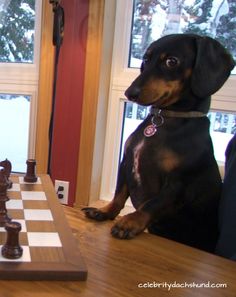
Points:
[(44, 239), (30, 208), (38, 214), (14, 204), (36, 195), (50, 251), (23, 226), (21, 181)]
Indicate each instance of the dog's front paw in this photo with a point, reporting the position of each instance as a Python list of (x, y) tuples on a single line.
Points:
[(130, 225), (96, 214), (108, 212)]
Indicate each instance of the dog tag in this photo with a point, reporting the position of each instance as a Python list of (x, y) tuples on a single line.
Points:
[(150, 131)]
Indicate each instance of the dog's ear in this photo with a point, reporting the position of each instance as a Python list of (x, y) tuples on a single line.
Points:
[(212, 67)]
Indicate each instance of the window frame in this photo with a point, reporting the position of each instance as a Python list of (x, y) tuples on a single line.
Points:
[(121, 77), (23, 79)]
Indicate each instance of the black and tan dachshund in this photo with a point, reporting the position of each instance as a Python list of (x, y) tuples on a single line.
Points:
[(168, 169)]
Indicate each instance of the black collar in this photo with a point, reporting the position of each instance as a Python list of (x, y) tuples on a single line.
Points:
[(158, 116), (176, 114)]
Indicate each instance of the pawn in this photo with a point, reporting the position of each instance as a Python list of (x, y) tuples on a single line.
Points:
[(12, 248), (30, 175)]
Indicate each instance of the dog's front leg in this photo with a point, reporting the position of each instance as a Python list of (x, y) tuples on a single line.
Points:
[(164, 205), (111, 210)]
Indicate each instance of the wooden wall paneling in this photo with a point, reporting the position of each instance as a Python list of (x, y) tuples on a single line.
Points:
[(45, 88), (90, 102), (103, 100), (69, 95)]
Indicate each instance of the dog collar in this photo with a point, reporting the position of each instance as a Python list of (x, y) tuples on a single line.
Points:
[(158, 116), (176, 114)]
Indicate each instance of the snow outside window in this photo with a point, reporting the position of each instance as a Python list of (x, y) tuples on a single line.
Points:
[(14, 123)]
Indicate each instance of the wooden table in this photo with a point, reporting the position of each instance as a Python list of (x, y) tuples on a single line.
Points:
[(118, 268)]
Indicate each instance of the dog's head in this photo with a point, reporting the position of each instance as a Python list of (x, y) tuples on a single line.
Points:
[(178, 66)]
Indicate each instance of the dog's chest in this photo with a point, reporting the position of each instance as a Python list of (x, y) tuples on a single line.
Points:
[(148, 157), (137, 160)]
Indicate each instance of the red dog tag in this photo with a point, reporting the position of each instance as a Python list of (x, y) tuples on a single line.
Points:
[(150, 131)]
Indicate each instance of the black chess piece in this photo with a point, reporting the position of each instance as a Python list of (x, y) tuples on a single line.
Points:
[(6, 170), (12, 249), (4, 218), (30, 176)]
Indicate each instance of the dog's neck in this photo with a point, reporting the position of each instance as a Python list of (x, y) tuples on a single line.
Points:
[(158, 118), (176, 114)]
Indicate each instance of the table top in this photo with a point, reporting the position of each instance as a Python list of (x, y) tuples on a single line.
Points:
[(147, 265)]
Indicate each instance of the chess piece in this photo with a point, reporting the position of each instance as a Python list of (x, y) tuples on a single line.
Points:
[(4, 218), (30, 176), (6, 164), (12, 249)]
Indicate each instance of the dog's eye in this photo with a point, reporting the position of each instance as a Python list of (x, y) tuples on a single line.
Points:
[(145, 60), (172, 62)]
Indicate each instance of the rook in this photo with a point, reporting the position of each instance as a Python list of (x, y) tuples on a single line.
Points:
[(12, 249), (30, 176)]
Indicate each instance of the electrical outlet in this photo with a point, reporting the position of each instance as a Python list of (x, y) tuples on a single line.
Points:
[(62, 190)]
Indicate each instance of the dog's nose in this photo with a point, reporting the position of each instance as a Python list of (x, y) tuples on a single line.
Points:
[(132, 93)]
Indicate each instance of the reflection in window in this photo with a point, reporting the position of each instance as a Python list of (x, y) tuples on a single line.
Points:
[(17, 21), (222, 128), (134, 114), (154, 18), (14, 129)]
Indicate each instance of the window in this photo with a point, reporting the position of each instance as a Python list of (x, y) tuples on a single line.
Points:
[(153, 19), (222, 129), (137, 24), (19, 67), (14, 123)]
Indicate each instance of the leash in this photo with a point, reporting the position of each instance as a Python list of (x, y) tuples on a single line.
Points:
[(158, 118), (58, 34)]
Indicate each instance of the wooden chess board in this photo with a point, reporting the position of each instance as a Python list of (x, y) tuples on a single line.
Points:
[(50, 251)]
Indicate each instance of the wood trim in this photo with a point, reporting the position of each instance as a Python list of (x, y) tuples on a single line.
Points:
[(90, 102), (46, 72)]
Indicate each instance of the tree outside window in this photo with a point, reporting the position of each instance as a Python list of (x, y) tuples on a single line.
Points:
[(17, 21), (155, 18)]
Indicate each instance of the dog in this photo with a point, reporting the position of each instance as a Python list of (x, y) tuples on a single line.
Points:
[(168, 169)]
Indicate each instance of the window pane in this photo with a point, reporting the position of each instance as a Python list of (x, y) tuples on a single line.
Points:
[(222, 129), (17, 20), (14, 131), (134, 114), (153, 19)]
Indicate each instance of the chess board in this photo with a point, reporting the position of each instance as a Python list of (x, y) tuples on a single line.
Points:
[(50, 251)]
